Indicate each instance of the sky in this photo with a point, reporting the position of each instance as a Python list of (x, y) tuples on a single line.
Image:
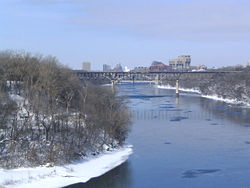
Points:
[(130, 32)]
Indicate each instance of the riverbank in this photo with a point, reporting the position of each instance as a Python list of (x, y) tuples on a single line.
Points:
[(58, 176), (214, 97)]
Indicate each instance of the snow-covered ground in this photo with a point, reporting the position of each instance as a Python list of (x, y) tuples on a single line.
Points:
[(137, 81), (59, 176), (214, 97)]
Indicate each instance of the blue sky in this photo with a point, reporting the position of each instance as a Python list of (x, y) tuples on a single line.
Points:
[(130, 32)]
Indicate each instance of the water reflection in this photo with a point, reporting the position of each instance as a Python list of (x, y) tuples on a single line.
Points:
[(180, 109), (177, 101), (118, 177), (236, 114), (196, 173)]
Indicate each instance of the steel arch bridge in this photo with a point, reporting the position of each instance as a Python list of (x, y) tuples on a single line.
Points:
[(156, 77), (115, 77)]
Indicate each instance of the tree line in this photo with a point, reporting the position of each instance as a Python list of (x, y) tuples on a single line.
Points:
[(47, 115)]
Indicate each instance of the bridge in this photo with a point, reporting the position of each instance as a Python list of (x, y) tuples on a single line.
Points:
[(156, 77)]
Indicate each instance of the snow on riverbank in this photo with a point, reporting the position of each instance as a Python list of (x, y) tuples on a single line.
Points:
[(214, 97), (231, 101), (59, 176), (181, 89)]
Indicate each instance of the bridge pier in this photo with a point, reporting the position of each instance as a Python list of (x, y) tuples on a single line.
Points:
[(113, 82), (157, 79), (177, 88)]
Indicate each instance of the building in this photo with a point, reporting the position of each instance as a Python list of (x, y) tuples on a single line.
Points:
[(86, 66), (140, 69), (248, 64), (157, 66), (106, 68), (182, 62), (202, 67), (126, 69), (198, 67), (118, 68)]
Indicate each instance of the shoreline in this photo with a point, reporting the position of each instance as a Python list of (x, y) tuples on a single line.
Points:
[(213, 97), (80, 171)]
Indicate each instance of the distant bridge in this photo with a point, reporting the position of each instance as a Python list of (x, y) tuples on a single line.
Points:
[(157, 77)]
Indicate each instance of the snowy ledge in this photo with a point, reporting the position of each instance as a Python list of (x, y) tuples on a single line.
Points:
[(181, 89), (214, 97), (59, 176)]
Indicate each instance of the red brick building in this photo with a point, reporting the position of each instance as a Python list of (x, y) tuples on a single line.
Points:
[(157, 66)]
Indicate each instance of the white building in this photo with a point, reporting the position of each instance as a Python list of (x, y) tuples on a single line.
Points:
[(126, 69)]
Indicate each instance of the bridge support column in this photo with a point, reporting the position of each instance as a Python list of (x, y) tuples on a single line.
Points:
[(157, 79), (113, 85), (177, 88)]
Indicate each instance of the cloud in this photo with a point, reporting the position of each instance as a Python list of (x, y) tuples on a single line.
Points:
[(160, 19), (222, 19), (46, 2)]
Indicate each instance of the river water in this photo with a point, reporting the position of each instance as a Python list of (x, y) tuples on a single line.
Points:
[(188, 141)]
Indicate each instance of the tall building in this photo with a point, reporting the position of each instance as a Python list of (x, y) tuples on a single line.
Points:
[(106, 68), (182, 62), (86, 66)]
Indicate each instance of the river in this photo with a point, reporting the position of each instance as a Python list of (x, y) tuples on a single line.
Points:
[(188, 141)]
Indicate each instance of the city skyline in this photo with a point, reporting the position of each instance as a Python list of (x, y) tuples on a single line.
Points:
[(214, 33)]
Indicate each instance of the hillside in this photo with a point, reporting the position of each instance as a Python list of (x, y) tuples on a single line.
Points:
[(47, 116)]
